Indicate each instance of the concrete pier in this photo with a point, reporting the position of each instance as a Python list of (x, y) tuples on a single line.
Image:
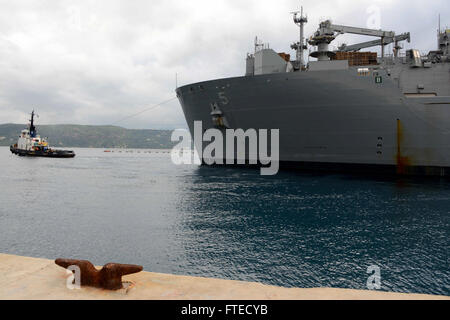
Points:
[(32, 278)]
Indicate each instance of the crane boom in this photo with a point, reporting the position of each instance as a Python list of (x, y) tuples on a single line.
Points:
[(360, 31), (368, 44), (328, 32)]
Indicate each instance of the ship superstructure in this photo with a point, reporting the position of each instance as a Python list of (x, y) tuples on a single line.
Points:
[(348, 110), (30, 140)]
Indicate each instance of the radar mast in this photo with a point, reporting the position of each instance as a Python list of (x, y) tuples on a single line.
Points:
[(32, 127), (300, 46)]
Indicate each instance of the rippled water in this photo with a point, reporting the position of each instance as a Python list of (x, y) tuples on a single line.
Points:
[(294, 230)]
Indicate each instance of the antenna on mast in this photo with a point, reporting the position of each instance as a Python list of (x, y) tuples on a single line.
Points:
[(259, 44), (439, 24), (439, 32), (301, 45)]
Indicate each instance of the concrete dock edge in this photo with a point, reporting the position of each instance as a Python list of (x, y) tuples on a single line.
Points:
[(41, 279)]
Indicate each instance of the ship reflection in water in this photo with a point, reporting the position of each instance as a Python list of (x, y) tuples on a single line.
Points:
[(293, 229), (320, 230)]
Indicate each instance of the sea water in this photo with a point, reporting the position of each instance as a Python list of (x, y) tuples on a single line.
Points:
[(291, 230)]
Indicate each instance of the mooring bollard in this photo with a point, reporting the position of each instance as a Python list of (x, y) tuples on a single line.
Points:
[(109, 277)]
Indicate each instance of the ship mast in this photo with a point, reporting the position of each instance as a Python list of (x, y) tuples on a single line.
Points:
[(300, 46), (32, 127)]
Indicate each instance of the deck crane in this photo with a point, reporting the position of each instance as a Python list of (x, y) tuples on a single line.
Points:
[(387, 40), (327, 32)]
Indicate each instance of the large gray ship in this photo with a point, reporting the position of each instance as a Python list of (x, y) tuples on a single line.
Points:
[(347, 111)]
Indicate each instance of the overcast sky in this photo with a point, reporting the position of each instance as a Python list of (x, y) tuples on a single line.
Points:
[(98, 61)]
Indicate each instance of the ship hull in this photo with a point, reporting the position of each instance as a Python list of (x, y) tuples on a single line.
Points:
[(332, 120), (44, 154)]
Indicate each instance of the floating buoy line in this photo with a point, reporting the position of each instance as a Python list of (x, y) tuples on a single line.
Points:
[(162, 151)]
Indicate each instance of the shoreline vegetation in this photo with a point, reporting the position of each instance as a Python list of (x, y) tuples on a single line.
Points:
[(82, 136)]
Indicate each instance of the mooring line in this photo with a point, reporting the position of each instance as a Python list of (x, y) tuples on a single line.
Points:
[(140, 112)]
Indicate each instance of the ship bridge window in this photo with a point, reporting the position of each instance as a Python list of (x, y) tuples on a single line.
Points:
[(363, 71)]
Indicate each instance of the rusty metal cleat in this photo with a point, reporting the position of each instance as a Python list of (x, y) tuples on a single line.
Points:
[(109, 277)]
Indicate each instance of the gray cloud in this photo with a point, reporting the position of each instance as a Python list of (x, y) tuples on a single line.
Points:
[(94, 62)]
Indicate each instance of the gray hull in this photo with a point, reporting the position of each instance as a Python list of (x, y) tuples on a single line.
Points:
[(335, 119)]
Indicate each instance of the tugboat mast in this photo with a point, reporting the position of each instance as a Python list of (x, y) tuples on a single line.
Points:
[(32, 127)]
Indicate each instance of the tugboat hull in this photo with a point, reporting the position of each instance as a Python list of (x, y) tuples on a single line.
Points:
[(46, 154)]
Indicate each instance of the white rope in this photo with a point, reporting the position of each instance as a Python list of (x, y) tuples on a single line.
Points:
[(140, 112)]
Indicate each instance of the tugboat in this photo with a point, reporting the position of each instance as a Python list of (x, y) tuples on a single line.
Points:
[(32, 145)]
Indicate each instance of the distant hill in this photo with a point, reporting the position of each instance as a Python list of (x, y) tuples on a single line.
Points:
[(91, 136)]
